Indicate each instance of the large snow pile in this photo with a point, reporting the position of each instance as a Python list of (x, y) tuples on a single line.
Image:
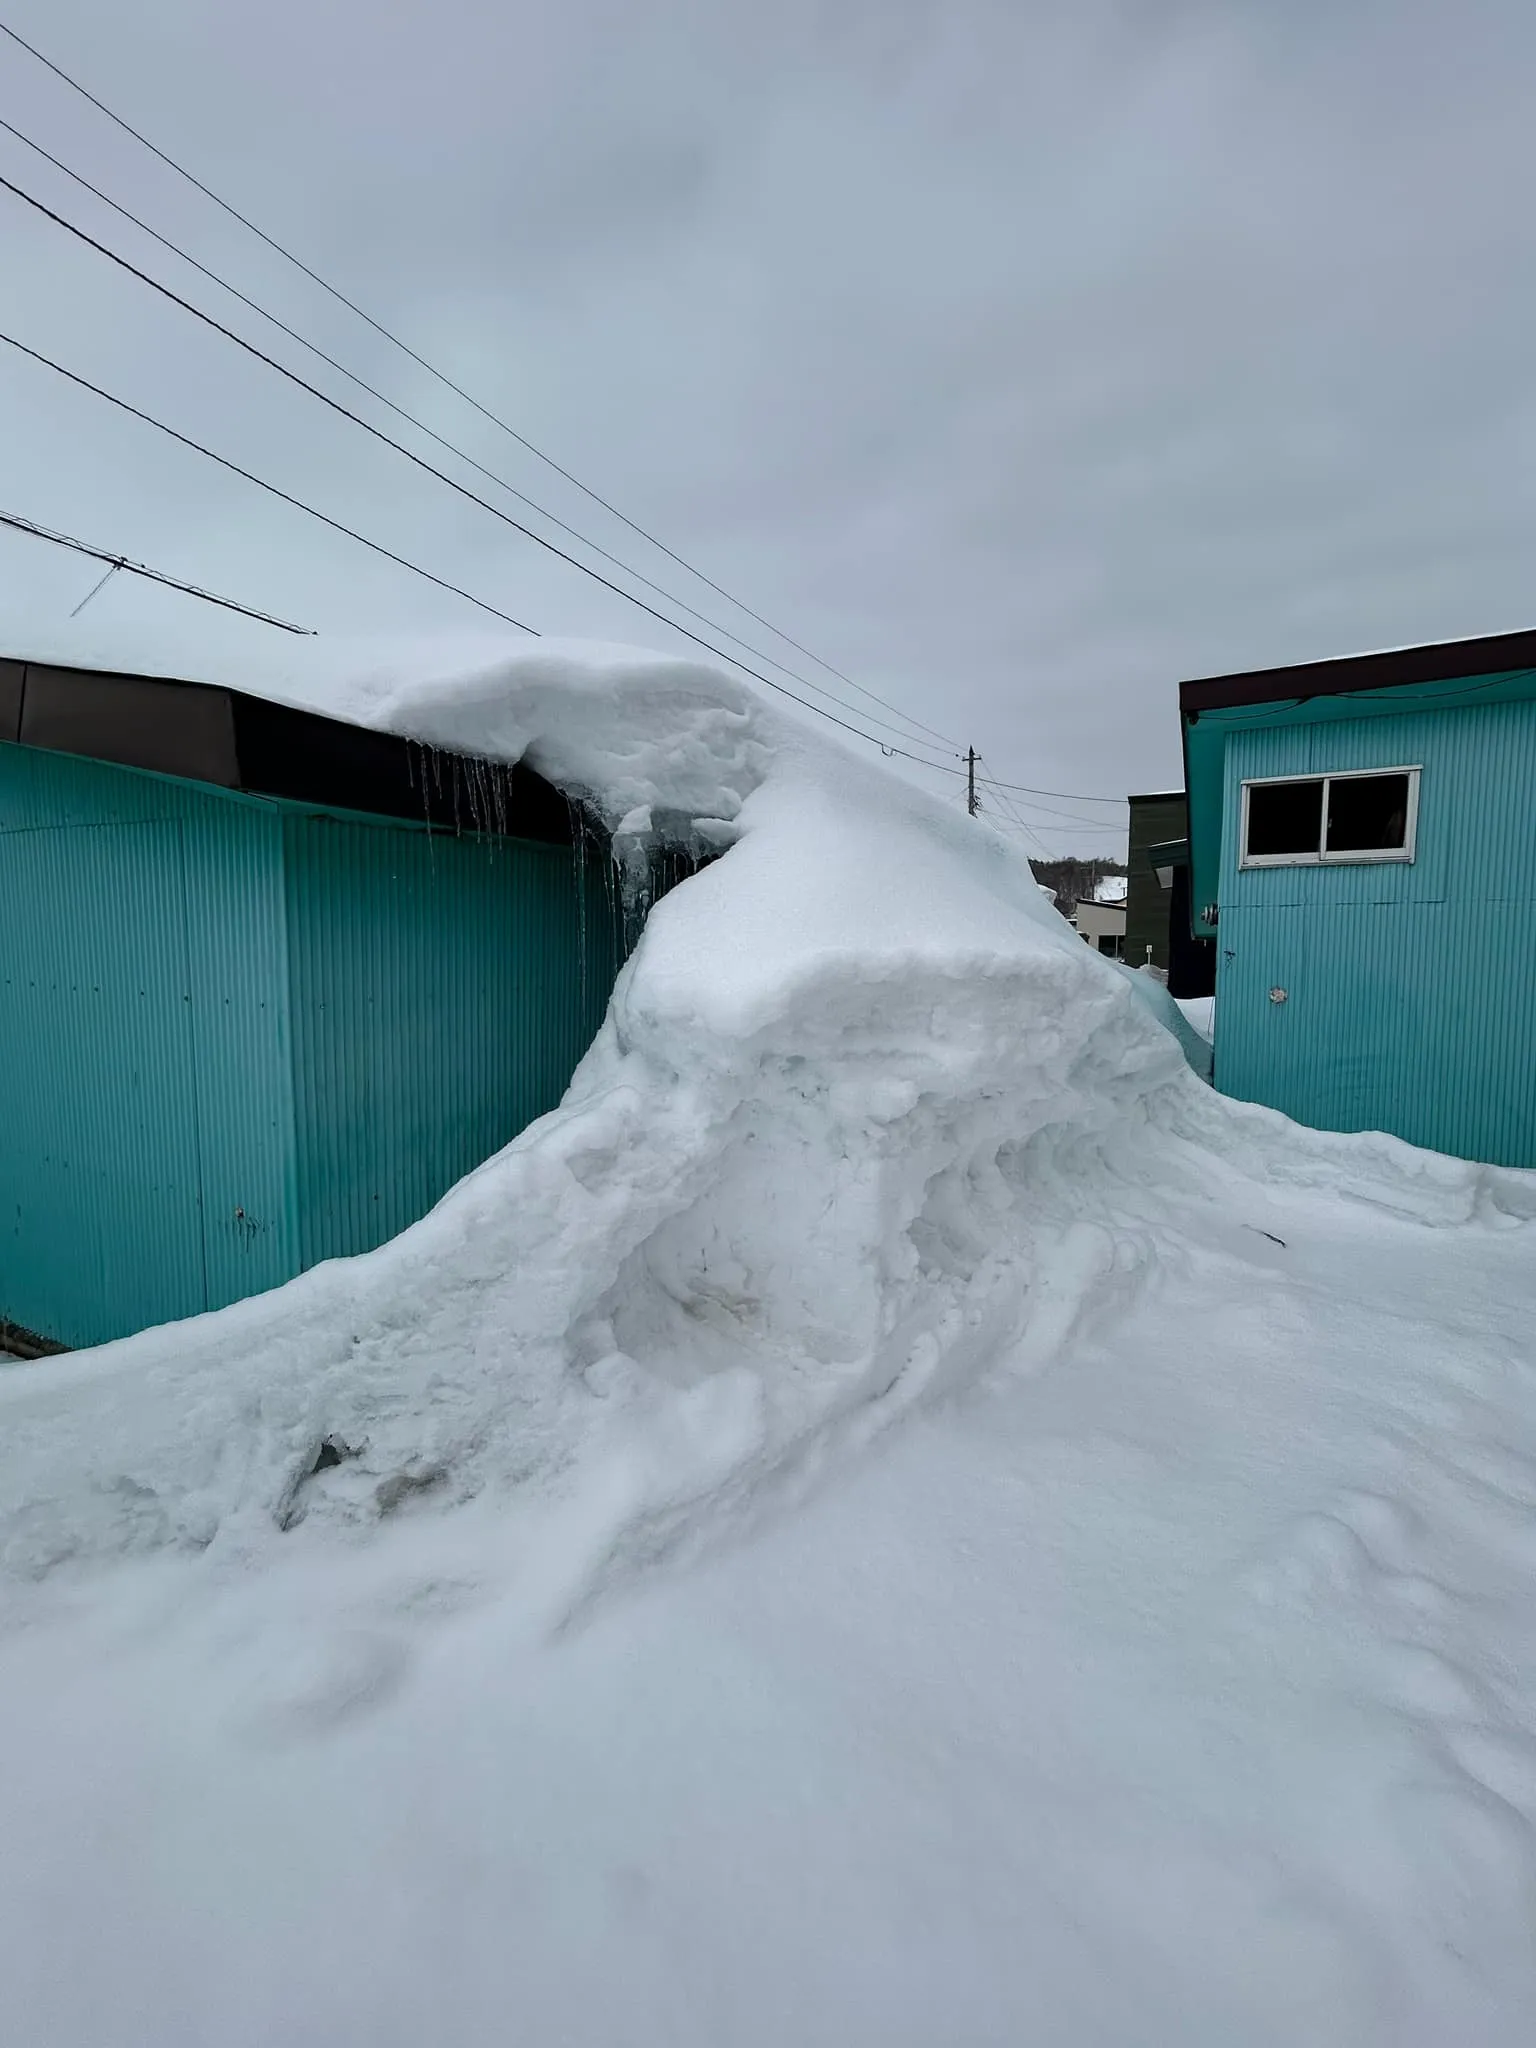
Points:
[(776, 1199), (1166, 1676)]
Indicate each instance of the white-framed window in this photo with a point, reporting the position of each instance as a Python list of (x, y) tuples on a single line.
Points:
[(1314, 820)]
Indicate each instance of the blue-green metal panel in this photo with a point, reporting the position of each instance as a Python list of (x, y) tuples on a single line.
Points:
[(441, 997), (237, 1036), (142, 1081), (99, 1184), (1410, 995), (237, 978)]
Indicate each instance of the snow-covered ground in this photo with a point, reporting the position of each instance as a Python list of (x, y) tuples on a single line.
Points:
[(895, 1515), (1199, 1014)]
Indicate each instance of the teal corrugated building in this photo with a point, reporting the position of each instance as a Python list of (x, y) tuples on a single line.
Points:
[(269, 984), (1363, 851)]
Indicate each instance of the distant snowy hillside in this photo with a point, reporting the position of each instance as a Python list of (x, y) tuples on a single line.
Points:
[(894, 1515)]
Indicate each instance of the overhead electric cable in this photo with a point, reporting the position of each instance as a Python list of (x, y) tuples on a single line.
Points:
[(250, 476), (1011, 813), (420, 462), (130, 568), (1071, 796), (401, 412), (378, 548), (442, 378)]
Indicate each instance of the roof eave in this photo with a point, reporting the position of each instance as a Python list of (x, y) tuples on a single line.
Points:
[(1439, 661)]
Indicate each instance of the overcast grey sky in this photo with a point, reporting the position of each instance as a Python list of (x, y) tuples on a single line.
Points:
[(1017, 359)]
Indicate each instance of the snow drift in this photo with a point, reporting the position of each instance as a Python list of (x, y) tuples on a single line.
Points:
[(840, 1140)]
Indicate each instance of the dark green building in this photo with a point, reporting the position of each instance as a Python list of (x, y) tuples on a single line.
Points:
[(1155, 819), (1157, 918)]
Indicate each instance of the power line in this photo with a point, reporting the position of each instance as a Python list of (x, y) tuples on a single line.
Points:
[(1071, 796), (116, 562), (1022, 823), (1040, 810), (1074, 820), (224, 462), (1015, 813), (1011, 812), (442, 378), (1099, 832), (378, 548), (442, 441), (431, 469)]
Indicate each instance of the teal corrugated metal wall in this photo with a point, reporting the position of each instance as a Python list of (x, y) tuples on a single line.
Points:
[(1411, 992), (441, 999), (237, 1037), (138, 1064), (237, 976)]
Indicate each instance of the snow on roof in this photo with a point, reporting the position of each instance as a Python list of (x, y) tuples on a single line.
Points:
[(1111, 888), (625, 727)]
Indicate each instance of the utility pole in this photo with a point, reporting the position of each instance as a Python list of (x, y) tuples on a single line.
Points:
[(970, 781)]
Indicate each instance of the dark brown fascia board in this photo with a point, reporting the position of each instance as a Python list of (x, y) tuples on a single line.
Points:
[(1441, 661), (204, 732)]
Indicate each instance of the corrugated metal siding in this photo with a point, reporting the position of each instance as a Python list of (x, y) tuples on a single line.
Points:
[(1411, 999), (137, 1059), (237, 1037), (99, 1187), (237, 963), (439, 1004)]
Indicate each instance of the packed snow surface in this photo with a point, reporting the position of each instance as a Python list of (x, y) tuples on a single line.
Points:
[(894, 1515), (1199, 1014)]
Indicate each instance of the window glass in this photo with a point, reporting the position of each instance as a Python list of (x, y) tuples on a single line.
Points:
[(1367, 813), (1284, 817)]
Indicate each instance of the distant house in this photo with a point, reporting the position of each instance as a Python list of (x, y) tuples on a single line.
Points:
[(1101, 919), (1362, 839), (271, 983)]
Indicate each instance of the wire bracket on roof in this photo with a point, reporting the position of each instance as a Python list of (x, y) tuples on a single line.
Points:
[(116, 562), (99, 585)]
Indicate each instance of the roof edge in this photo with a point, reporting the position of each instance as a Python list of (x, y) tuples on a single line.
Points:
[(232, 739), (1438, 661)]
